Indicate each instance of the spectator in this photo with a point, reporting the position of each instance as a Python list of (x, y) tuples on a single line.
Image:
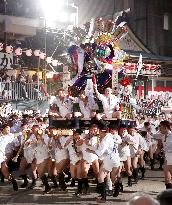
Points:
[(142, 199), (165, 197)]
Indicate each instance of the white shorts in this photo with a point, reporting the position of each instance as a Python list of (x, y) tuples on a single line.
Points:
[(41, 159), (89, 157), (124, 154), (41, 156), (61, 155), (2, 158), (168, 157), (109, 164), (29, 155), (74, 160)]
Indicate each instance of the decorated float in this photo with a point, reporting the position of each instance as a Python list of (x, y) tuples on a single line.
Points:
[(99, 60)]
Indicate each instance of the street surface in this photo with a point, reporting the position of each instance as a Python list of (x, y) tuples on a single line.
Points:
[(153, 184)]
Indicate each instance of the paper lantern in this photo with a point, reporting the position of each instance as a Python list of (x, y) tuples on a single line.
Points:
[(49, 59), (54, 62), (42, 56), (18, 51), (1, 46), (29, 52), (50, 75), (37, 53), (9, 49)]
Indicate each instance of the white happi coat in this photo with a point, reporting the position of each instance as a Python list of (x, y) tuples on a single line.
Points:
[(29, 150), (108, 149), (85, 108), (65, 107), (6, 146), (41, 152), (108, 104), (168, 148), (124, 150), (90, 157), (72, 153), (139, 144), (61, 154)]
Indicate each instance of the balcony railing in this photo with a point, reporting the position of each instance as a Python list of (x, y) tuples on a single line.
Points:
[(21, 91)]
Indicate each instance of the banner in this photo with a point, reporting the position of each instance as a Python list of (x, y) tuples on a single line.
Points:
[(115, 80), (6, 60)]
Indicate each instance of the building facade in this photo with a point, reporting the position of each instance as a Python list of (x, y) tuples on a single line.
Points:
[(151, 21)]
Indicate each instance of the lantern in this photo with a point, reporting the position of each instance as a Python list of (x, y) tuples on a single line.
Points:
[(18, 51), (29, 52), (49, 59), (37, 53), (9, 49), (54, 62), (1, 46), (42, 55)]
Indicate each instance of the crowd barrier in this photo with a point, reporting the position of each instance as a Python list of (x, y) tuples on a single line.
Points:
[(22, 91)]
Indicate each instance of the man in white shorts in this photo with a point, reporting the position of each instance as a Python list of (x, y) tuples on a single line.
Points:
[(108, 151), (64, 103), (167, 142), (6, 149)]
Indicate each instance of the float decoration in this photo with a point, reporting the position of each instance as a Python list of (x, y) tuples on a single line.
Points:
[(125, 82), (99, 55)]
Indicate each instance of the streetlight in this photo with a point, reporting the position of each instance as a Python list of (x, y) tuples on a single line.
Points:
[(51, 8), (59, 11)]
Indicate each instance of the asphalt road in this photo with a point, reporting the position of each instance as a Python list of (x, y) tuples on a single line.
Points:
[(153, 184)]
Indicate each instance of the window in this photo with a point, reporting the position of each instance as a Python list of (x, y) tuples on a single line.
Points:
[(168, 83), (166, 21), (159, 83)]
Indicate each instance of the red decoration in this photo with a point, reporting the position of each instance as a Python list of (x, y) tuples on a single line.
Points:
[(132, 67), (125, 82), (109, 61), (120, 107), (94, 80)]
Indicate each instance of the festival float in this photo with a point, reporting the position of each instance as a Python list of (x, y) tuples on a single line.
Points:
[(99, 60)]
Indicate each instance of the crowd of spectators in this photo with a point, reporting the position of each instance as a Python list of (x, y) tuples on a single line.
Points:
[(153, 104), (21, 77), (10, 115), (21, 86)]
